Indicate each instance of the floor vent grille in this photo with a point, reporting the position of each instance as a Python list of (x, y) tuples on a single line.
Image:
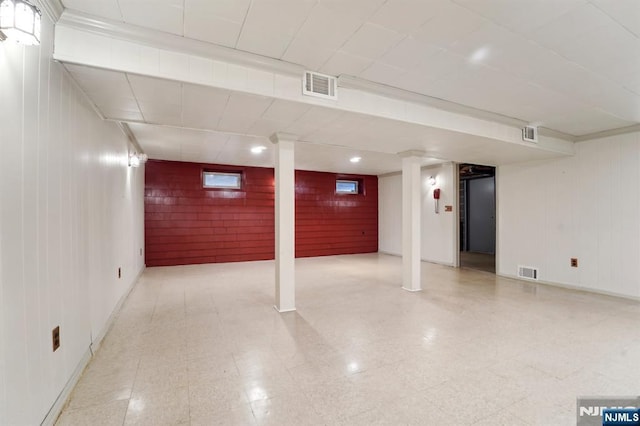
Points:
[(528, 272)]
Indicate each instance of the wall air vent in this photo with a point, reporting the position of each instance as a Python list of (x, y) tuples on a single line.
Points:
[(530, 134), (320, 85), (528, 272)]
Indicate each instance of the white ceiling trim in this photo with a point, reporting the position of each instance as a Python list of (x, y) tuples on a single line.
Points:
[(397, 93), (166, 41), (53, 8), (614, 132)]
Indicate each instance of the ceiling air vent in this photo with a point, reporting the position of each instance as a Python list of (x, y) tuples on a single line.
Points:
[(319, 85), (530, 134), (528, 272)]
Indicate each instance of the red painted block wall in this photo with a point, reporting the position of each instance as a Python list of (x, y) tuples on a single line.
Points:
[(188, 224), (328, 223)]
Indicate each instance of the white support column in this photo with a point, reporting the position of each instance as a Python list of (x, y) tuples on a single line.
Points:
[(411, 200), (285, 222)]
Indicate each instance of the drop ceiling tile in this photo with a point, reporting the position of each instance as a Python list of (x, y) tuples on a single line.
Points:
[(619, 102), (164, 120), (479, 45), (571, 26), (632, 82), (105, 8), (450, 25), (584, 121), (511, 14), (154, 90), (213, 30), (345, 63), (571, 79), (272, 45), (404, 16), (167, 14), (202, 106), (281, 110), (313, 119), (171, 110), (217, 22), (371, 41), (241, 112), (307, 54), (626, 12), (270, 25), (266, 128), (409, 53), (326, 15), (383, 73), (443, 63), (117, 103)]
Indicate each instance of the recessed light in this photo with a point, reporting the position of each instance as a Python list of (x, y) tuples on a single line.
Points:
[(479, 55), (355, 159), (258, 149)]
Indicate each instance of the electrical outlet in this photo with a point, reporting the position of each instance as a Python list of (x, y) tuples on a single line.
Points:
[(119, 272), (55, 338), (574, 262)]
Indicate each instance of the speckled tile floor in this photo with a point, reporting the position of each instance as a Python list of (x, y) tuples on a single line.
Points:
[(202, 345)]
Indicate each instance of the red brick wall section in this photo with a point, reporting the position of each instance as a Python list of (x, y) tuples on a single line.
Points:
[(328, 223), (188, 224)]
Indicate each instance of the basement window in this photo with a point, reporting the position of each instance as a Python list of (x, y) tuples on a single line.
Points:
[(346, 186), (224, 180)]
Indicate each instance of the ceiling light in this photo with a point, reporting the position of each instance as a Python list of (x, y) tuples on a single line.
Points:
[(355, 159), (479, 55), (20, 21), (258, 149)]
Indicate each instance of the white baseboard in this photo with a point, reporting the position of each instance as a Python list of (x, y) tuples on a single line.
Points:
[(572, 287), (96, 341), (63, 397), (61, 401), (422, 259)]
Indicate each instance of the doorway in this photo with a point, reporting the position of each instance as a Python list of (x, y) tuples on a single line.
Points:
[(477, 217)]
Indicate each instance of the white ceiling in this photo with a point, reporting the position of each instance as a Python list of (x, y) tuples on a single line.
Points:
[(185, 122), (568, 65)]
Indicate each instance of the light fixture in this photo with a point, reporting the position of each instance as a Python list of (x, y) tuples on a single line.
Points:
[(355, 159), (258, 149), (20, 21), (479, 55), (136, 159), (432, 180)]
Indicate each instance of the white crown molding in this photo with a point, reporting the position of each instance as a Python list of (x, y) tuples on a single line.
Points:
[(166, 41), (607, 133), (53, 8)]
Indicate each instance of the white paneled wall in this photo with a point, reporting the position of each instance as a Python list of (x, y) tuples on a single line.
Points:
[(71, 214), (438, 230), (586, 206)]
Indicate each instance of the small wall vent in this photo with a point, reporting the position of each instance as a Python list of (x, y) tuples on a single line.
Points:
[(530, 134), (528, 272), (320, 85)]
